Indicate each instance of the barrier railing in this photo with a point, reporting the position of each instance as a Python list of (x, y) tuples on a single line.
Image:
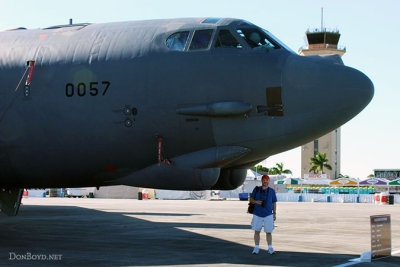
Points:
[(338, 198)]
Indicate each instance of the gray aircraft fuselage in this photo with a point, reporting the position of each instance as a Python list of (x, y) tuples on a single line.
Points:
[(101, 95)]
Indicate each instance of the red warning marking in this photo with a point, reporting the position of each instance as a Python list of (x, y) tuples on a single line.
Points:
[(30, 74), (110, 168)]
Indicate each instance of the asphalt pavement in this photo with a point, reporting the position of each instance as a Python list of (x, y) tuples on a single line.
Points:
[(122, 232)]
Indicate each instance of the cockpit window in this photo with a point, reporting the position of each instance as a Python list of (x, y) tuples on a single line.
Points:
[(257, 39), (226, 39), (245, 23), (211, 20), (201, 39), (177, 40)]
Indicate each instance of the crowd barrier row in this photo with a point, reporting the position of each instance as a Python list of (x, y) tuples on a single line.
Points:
[(338, 198)]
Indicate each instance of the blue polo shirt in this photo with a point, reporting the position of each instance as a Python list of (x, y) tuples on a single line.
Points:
[(269, 196)]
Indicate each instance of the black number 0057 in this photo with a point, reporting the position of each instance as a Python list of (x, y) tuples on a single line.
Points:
[(92, 88)]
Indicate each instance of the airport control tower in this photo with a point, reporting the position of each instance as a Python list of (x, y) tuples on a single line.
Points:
[(323, 42)]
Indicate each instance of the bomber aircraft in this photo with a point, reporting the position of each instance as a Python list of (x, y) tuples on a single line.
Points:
[(184, 104)]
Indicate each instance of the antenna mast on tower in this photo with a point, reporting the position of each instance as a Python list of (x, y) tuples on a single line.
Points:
[(322, 19)]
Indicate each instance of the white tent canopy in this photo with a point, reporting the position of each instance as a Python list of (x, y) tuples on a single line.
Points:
[(288, 181)]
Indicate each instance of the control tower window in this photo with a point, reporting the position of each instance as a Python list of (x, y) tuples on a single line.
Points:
[(257, 39), (201, 39), (226, 39), (177, 40)]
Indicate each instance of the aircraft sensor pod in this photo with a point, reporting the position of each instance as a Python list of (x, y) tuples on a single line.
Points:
[(218, 109)]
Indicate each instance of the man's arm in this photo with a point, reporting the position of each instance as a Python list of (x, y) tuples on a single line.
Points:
[(274, 210), (252, 201), (254, 194)]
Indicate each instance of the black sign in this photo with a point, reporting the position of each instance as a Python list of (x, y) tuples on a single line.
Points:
[(381, 241), (387, 174)]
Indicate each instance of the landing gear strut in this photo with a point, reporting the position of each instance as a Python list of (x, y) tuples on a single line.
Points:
[(10, 200)]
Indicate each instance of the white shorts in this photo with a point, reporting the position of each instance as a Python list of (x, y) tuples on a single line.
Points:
[(258, 222)]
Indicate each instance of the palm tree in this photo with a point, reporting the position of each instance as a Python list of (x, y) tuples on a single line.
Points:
[(260, 169), (318, 163), (279, 169)]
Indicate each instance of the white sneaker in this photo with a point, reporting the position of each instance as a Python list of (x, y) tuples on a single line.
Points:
[(256, 250), (271, 251)]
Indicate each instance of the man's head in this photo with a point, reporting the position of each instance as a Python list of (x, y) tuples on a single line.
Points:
[(265, 180)]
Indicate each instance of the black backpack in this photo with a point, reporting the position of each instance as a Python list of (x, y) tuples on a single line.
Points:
[(250, 208)]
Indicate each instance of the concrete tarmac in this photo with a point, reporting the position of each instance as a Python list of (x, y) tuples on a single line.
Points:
[(110, 232)]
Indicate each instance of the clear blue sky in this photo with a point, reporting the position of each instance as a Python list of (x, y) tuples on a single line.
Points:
[(370, 31)]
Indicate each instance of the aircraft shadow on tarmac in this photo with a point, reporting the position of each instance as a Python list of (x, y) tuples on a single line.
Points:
[(86, 236)]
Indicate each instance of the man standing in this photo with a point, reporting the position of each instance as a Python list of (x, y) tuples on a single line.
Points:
[(264, 213)]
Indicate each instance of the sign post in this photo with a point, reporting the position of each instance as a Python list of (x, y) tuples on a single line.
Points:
[(381, 241)]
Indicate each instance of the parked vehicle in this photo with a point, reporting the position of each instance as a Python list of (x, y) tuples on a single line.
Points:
[(80, 192)]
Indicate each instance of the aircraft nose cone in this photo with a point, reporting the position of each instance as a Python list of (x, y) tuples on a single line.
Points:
[(360, 86), (335, 91)]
